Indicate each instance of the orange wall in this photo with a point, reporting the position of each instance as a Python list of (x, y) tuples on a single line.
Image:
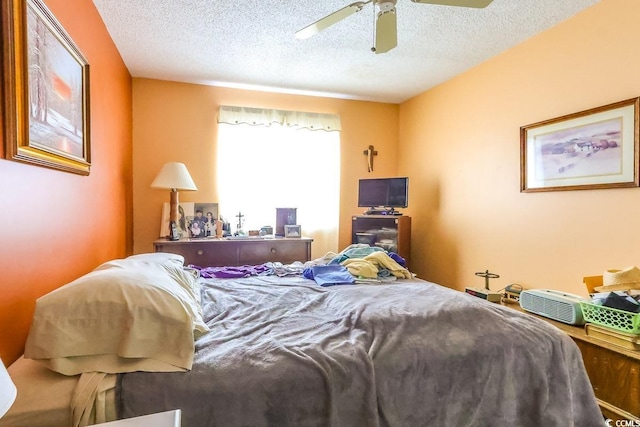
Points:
[(177, 122), (56, 226), (460, 145)]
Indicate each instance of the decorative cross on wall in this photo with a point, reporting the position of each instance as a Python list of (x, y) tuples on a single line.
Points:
[(370, 152)]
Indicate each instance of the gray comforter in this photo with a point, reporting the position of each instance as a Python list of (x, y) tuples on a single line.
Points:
[(286, 352)]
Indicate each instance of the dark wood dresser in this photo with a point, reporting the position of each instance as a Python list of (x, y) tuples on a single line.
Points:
[(233, 252)]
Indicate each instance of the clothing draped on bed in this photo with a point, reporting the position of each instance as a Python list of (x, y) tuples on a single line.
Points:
[(287, 352)]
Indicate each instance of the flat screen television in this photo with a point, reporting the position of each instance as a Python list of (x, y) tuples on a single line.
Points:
[(383, 192)]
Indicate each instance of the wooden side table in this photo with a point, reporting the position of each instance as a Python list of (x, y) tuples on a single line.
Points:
[(390, 232), (614, 371)]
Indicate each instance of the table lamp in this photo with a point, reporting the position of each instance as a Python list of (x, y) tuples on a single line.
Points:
[(8, 390), (174, 176)]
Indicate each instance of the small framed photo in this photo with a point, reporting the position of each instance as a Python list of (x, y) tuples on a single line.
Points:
[(292, 231), (202, 221)]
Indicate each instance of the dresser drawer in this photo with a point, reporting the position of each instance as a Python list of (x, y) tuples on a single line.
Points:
[(221, 252), (284, 251), (207, 254)]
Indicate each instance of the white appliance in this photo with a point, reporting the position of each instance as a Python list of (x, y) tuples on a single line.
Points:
[(555, 305)]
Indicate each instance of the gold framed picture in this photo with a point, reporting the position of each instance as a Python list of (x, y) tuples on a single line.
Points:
[(46, 86), (592, 149)]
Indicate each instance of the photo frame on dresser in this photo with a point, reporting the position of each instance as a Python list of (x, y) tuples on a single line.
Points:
[(184, 209), (292, 231), (195, 220), (591, 149), (46, 113)]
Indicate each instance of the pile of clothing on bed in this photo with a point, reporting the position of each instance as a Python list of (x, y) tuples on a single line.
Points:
[(358, 263)]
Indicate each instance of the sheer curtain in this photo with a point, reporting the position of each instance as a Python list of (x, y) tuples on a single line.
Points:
[(261, 168)]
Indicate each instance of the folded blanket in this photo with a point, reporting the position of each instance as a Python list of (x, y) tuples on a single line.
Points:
[(358, 250), (361, 268), (329, 275), (382, 260)]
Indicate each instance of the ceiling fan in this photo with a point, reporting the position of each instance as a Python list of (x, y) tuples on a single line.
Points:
[(386, 30)]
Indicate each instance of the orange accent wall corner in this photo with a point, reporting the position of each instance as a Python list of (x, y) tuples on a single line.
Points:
[(56, 226)]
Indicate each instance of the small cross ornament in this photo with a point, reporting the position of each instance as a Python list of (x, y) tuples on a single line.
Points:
[(240, 221), (370, 152)]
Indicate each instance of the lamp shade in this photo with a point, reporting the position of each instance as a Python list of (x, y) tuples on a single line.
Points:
[(8, 390), (174, 176)]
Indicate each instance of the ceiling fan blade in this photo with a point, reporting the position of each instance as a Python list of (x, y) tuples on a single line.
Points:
[(386, 31), (331, 19), (462, 3)]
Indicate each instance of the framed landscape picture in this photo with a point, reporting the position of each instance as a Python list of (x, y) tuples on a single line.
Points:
[(46, 82), (592, 149)]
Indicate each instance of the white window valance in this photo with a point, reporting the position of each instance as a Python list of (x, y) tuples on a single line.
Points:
[(267, 117)]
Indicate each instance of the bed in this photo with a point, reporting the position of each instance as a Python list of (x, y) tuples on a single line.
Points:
[(279, 349)]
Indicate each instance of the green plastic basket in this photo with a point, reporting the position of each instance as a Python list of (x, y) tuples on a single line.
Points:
[(621, 320)]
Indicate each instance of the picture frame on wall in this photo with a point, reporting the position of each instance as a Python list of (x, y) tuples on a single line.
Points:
[(591, 149), (292, 231), (46, 86)]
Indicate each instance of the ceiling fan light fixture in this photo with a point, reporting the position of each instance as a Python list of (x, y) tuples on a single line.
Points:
[(478, 4), (386, 28), (331, 19), (386, 31), (386, 5)]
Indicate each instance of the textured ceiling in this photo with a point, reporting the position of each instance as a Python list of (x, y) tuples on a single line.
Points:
[(251, 44)]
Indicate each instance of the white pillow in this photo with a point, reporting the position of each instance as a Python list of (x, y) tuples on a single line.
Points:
[(133, 314), (173, 266), (172, 263), (160, 258)]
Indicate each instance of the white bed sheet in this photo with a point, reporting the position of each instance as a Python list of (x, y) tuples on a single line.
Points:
[(49, 399)]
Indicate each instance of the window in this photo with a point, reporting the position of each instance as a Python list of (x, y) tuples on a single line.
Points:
[(261, 168)]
